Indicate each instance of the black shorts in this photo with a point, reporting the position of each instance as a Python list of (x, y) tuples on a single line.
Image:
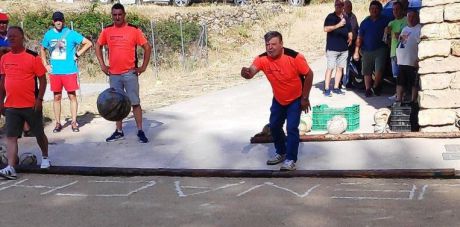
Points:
[(408, 76), (15, 118)]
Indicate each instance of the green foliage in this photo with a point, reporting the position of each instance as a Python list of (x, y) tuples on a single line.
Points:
[(169, 33)]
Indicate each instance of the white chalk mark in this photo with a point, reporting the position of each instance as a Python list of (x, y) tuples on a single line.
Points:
[(148, 185), (282, 188), (13, 185), (412, 192), (364, 197), (180, 193), (370, 190), (382, 218), (117, 181), (372, 184), (420, 196), (59, 187), (250, 189)]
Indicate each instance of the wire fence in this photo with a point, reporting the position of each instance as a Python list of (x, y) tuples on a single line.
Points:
[(193, 51)]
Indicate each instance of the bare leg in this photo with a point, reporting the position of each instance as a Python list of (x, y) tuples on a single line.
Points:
[(12, 150), (338, 77), (327, 78), (399, 93), (378, 78), (57, 107), (414, 94), (137, 111), (73, 106), (368, 81), (42, 142)]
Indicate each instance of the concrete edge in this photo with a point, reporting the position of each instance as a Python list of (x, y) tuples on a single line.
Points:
[(241, 173)]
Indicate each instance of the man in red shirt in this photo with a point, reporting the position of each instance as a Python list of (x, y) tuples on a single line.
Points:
[(291, 80), (19, 100), (122, 39)]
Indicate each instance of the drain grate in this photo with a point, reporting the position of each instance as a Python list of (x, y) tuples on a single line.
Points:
[(452, 147), (451, 156)]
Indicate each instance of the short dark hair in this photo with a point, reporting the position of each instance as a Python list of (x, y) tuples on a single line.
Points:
[(376, 3), (17, 28), (398, 3), (272, 34), (118, 6)]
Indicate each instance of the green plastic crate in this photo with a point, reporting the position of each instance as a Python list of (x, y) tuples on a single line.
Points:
[(323, 113)]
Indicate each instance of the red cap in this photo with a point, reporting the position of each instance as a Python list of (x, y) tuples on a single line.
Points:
[(3, 17)]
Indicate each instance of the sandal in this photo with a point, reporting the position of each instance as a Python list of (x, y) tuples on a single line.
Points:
[(58, 128), (75, 127)]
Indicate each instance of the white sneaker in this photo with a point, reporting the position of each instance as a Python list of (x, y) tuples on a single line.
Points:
[(276, 159), (8, 173), (45, 163), (392, 98), (288, 165)]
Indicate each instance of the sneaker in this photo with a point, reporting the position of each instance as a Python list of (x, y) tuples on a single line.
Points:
[(278, 158), (327, 93), (338, 91), (8, 173), (116, 136), (288, 165), (45, 164), (141, 137), (392, 98), (368, 93), (375, 91)]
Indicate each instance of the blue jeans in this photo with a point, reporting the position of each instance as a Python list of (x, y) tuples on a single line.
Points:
[(291, 114)]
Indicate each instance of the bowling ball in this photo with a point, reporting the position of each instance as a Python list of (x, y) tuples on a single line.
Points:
[(113, 104)]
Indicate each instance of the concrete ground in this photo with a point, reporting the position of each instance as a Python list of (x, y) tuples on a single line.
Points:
[(213, 132)]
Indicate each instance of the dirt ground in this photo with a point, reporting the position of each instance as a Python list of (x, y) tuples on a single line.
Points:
[(302, 28)]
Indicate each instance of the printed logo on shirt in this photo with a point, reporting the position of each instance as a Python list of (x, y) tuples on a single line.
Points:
[(58, 47)]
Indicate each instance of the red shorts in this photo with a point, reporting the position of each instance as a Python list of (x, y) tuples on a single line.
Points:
[(68, 81)]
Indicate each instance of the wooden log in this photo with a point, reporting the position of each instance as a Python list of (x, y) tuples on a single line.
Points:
[(237, 173), (364, 136)]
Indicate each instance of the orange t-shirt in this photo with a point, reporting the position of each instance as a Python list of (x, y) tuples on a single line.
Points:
[(284, 74), (20, 71), (122, 43)]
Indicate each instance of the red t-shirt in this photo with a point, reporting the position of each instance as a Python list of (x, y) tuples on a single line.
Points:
[(122, 43), (284, 74), (20, 71)]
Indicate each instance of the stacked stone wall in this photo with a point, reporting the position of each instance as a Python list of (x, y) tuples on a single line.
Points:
[(439, 54)]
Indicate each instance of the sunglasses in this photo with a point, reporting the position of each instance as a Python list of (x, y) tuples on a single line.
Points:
[(4, 22)]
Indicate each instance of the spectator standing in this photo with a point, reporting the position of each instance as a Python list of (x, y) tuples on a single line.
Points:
[(407, 56), (373, 50), (61, 43), (4, 46), (339, 37), (291, 80), (394, 29), (18, 100), (353, 20), (122, 40)]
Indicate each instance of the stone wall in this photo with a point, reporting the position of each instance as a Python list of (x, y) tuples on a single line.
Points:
[(439, 54), (220, 20)]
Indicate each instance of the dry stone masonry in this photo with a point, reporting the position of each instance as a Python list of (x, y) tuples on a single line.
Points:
[(220, 20), (439, 54)]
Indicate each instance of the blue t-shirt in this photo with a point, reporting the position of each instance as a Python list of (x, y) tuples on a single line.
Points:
[(4, 42), (62, 47), (371, 33), (336, 40)]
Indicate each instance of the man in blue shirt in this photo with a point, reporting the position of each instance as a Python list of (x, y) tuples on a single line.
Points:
[(339, 37), (62, 43), (373, 50), (4, 46)]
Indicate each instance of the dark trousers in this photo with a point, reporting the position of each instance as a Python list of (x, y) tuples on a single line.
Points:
[(291, 114)]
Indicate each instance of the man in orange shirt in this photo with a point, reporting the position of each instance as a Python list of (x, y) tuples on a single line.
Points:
[(122, 39), (291, 80), (19, 100)]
